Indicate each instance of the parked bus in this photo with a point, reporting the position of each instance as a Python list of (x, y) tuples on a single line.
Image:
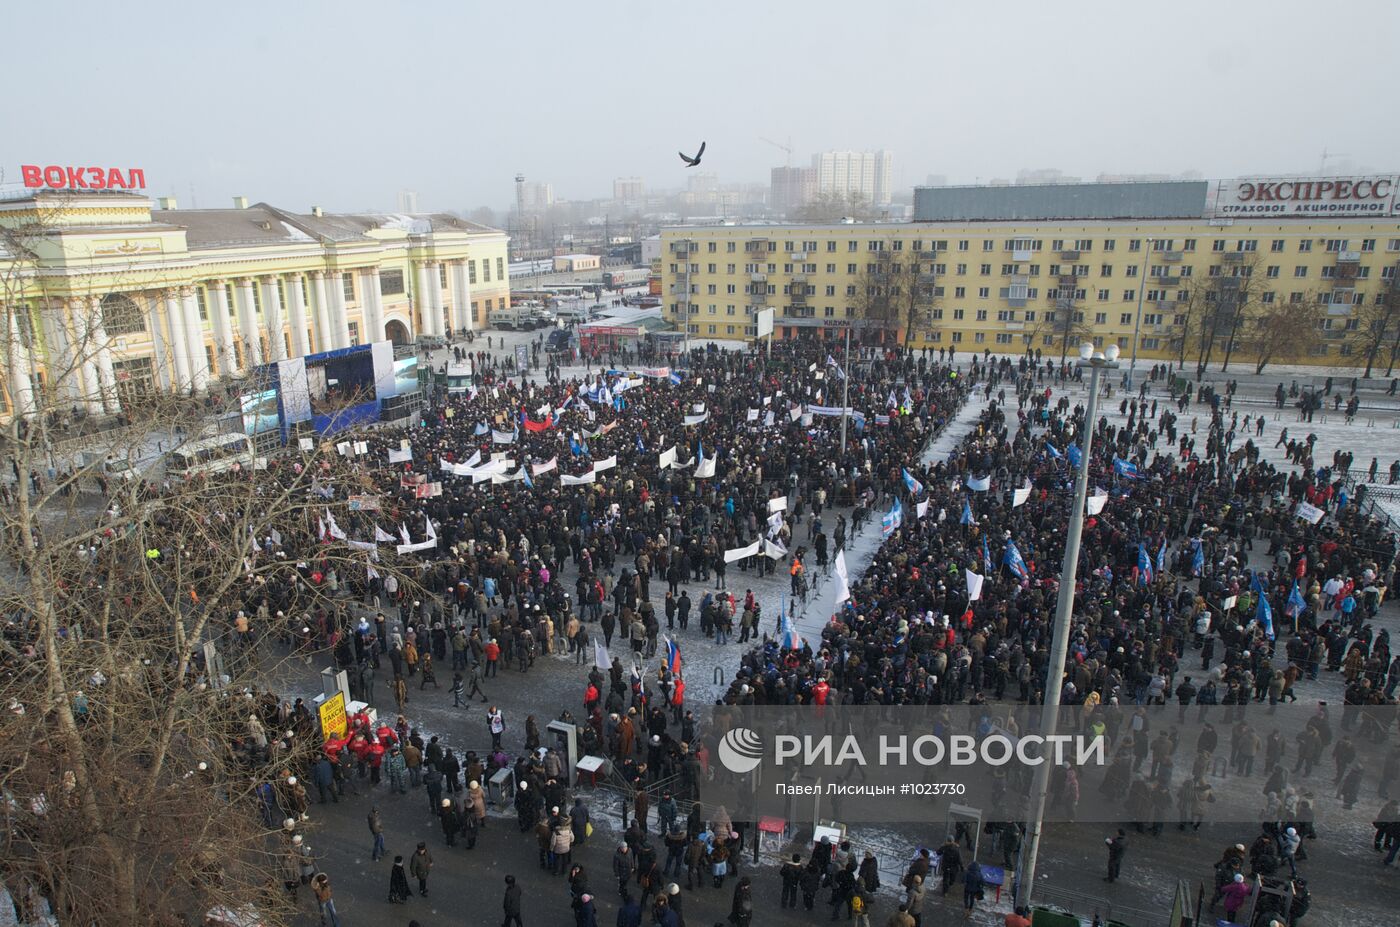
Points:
[(214, 454)]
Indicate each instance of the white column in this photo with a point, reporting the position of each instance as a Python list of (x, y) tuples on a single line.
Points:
[(84, 349), (422, 298), (340, 325), (63, 361), (20, 361), (296, 312), (373, 302), (179, 342), (248, 321), (194, 332), (163, 369), (435, 283), (106, 375), (272, 319), (216, 298), (325, 340), (462, 296)]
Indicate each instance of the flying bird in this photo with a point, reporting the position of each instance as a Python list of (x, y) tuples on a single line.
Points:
[(689, 161)]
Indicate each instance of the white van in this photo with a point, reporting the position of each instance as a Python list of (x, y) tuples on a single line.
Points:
[(215, 454)]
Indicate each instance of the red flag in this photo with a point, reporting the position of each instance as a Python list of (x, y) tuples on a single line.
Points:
[(539, 426)]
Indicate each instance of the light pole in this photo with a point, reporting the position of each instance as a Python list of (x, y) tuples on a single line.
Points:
[(1059, 646), (1137, 323), (846, 386)]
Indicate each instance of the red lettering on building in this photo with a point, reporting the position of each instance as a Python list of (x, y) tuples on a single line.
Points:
[(1246, 192), (59, 177)]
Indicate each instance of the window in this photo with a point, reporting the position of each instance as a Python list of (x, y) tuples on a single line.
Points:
[(1336, 244), (1006, 315), (961, 270), (830, 268), (1276, 245), (830, 290), (957, 337), (852, 245), (710, 268), (121, 316), (789, 246), (1050, 317), (829, 312), (979, 337), (1329, 273), (488, 305), (729, 247), (986, 270), (937, 315), (1189, 245), (391, 282), (1134, 244), (1368, 244), (1030, 315), (1272, 271), (1162, 244), (347, 282), (1305, 245), (987, 245), (1267, 298), (710, 289), (1109, 244), (1008, 269), (963, 244), (957, 315), (730, 289), (1251, 244), (851, 290), (850, 268), (713, 246), (1295, 297), (899, 244), (1083, 244), (442, 276), (1392, 244), (471, 271), (984, 292), (1131, 270), (203, 309), (1103, 296), (1125, 319), (1151, 344), (1105, 270), (1300, 271), (959, 292), (831, 246), (875, 245), (981, 315), (500, 268), (1129, 295), (354, 334)]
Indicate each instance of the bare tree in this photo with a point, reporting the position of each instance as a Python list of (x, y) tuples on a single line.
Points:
[(1192, 310), (833, 206), (1280, 330), (897, 291), (1064, 325), (1238, 292), (1378, 323)]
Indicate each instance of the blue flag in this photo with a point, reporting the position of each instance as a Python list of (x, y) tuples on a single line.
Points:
[(1053, 451), (913, 485), (1198, 557), (1076, 456), (1126, 469), (1162, 557), (675, 378), (1265, 615), (1144, 565), (967, 516), (986, 556), (525, 471), (1012, 558), (890, 522), (641, 448), (1296, 603)]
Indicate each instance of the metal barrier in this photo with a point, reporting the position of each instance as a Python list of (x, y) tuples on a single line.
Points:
[(1086, 906)]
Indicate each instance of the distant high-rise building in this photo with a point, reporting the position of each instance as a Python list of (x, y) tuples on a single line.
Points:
[(1043, 175), (936, 180), (536, 197), (791, 188), (869, 174), (702, 183), (408, 201), (630, 191)]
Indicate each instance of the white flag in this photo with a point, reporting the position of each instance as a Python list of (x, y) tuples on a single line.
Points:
[(921, 508), (401, 456), (1019, 496), (774, 549), (974, 586), (1095, 503), (668, 458), (333, 528), (843, 589), (382, 536), (753, 415), (601, 658), (428, 528), (705, 469), (979, 484), (777, 505), (403, 533), (548, 465)]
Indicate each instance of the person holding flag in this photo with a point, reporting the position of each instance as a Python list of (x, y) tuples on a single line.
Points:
[(910, 483), (1014, 561), (1144, 566), (967, 516)]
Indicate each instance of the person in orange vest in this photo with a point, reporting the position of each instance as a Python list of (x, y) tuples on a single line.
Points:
[(795, 571)]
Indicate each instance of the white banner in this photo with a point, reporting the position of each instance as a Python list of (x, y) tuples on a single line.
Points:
[(1309, 513), (979, 484), (382, 536), (739, 553), (548, 465), (400, 456), (607, 463), (696, 419), (705, 469), (1095, 503), (777, 505), (1019, 496), (774, 550), (421, 545), (974, 586), (753, 415), (566, 480), (502, 437), (668, 458)]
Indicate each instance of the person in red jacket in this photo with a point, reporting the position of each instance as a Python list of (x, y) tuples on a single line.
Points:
[(820, 692), (493, 655)]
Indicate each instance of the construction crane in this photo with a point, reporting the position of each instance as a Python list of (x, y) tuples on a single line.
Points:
[(787, 148)]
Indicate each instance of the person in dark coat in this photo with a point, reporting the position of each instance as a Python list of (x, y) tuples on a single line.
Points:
[(398, 882), (511, 903), (741, 911), (585, 915), (1117, 848)]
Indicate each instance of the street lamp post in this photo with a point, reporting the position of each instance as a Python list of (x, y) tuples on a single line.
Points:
[(846, 389), (1137, 323), (1059, 646)]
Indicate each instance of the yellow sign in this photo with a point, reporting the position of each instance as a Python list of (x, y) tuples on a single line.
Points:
[(333, 722)]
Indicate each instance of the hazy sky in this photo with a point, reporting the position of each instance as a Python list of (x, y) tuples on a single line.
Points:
[(343, 104)]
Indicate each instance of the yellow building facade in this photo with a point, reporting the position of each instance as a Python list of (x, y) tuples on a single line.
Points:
[(108, 297), (1003, 285)]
